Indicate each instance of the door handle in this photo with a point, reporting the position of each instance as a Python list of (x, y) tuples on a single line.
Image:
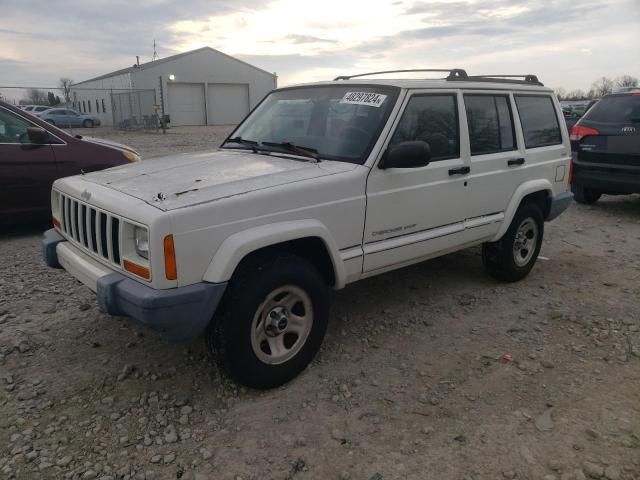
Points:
[(515, 161), (459, 171)]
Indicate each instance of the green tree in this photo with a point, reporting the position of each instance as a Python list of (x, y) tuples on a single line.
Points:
[(53, 99)]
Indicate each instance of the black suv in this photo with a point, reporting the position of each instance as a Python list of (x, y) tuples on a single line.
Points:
[(605, 146)]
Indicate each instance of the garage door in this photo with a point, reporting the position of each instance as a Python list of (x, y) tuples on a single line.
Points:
[(228, 103), (186, 104)]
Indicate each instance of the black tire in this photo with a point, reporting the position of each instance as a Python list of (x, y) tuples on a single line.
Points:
[(51, 122), (229, 337), (87, 123), (500, 258), (585, 195)]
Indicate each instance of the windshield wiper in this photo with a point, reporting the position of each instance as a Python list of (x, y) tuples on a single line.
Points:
[(247, 143), (293, 148)]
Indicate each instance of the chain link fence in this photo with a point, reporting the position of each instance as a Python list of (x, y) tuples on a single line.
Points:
[(122, 109), (134, 110)]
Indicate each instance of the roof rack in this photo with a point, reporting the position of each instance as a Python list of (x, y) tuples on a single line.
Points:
[(454, 73), (529, 79), (458, 74)]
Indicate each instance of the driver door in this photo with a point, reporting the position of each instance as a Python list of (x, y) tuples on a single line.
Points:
[(26, 170), (417, 213)]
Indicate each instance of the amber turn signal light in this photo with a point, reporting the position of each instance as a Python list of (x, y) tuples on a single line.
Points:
[(170, 267), (136, 269)]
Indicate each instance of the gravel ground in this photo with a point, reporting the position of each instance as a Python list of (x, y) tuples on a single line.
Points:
[(155, 144), (434, 371)]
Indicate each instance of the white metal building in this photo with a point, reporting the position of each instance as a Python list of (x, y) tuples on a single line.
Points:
[(201, 87)]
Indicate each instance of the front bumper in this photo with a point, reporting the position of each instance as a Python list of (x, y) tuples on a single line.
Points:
[(559, 204), (177, 314)]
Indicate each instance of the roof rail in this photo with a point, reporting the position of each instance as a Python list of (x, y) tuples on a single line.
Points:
[(528, 79), (454, 73)]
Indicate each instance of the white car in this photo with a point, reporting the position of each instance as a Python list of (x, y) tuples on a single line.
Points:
[(36, 109), (320, 186)]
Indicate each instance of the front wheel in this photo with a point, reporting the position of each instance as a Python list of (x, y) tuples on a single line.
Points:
[(272, 320), (87, 124), (512, 257)]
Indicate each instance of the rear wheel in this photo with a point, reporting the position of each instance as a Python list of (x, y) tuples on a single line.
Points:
[(512, 257), (585, 195), (87, 124), (51, 122), (272, 320)]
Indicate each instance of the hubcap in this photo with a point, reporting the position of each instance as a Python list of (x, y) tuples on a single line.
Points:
[(526, 241), (281, 325)]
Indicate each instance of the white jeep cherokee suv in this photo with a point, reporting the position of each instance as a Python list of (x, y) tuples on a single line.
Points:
[(321, 185)]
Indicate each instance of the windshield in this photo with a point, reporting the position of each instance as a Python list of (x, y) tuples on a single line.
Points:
[(339, 122)]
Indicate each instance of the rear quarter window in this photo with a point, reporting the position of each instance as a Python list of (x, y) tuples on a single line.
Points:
[(539, 120), (616, 109)]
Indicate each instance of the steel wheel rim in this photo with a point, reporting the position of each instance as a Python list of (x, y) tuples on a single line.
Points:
[(526, 241), (281, 325)]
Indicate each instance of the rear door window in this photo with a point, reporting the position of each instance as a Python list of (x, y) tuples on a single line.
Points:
[(616, 109), (539, 120), (433, 119), (490, 123)]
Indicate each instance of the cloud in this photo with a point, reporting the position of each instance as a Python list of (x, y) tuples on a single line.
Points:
[(294, 38), (323, 39)]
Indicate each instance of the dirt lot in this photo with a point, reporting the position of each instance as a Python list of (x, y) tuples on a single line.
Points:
[(412, 381), (154, 144)]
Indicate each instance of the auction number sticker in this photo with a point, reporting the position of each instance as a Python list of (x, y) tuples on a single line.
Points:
[(364, 98)]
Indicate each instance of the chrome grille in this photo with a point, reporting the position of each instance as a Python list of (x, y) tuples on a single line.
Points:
[(91, 229)]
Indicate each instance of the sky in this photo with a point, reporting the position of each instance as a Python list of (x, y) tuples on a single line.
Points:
[(567, 43)]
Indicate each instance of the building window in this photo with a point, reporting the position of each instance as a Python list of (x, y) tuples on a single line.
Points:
[(104, 107), (84, 107), (89, 105), (97, 106)]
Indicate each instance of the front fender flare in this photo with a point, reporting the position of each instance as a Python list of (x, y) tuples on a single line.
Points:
[(241, 244), (522, 191)]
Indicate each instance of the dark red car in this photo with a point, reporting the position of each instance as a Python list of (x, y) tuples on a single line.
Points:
[(34, 153)]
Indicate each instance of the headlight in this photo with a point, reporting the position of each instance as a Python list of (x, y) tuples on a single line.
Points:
[(132, 157), (141, 237)]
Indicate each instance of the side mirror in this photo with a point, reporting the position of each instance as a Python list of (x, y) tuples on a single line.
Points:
[(410, 154), (37, 136)]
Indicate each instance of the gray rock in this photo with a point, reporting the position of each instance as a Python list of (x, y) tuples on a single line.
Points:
[(156, 459), (126, 371), (171, 435), (168, 458), (64, 461), (89, 475), (612, 472), (592, 470), (544, 422)]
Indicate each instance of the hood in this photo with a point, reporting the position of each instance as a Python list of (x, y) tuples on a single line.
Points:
[(108, 143), (182, 180)]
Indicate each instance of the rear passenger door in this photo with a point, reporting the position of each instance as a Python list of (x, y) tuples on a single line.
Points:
[(497, 165), (513, 137)]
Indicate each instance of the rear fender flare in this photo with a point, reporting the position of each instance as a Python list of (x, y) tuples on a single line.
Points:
[(522, 191)]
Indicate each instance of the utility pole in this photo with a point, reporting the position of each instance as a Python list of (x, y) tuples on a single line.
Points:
[(164, 127)]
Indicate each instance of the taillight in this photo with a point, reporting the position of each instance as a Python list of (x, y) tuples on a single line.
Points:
[(578, 132)]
